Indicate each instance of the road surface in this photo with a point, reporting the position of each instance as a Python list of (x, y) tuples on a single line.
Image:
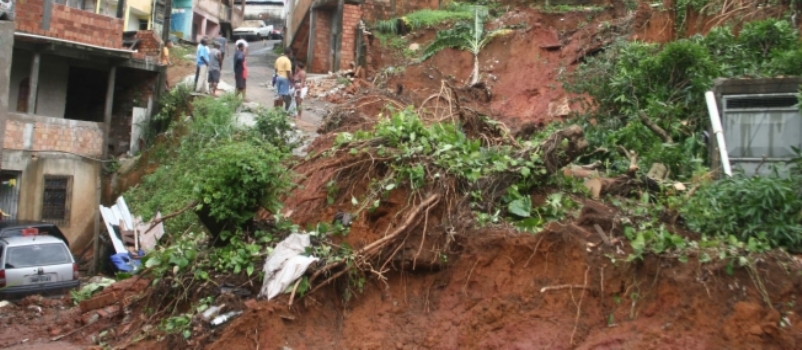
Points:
[(260, 74)]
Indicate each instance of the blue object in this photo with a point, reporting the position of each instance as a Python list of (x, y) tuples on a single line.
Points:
[(124, 263)]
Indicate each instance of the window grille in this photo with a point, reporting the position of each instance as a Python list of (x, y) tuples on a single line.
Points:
[(56, 201)]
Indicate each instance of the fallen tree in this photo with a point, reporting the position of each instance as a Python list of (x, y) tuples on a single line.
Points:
[(453, 167)]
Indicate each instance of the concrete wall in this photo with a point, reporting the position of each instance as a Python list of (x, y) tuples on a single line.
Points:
[(83, 203), (53, 77), (6, 49), (6, 55), (273, 11)]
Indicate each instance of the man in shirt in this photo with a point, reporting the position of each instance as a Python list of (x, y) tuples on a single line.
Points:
[(283, 68), (244, 46), (223, 42), (215, 62), (202, 67)]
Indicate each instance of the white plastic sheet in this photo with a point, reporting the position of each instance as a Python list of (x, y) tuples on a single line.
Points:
[(285, 265)]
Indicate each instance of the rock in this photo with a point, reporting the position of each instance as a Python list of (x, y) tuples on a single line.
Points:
[(414, 47), (55, 331), (5, 303)]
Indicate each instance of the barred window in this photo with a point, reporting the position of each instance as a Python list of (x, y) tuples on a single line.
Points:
[(56, 201)]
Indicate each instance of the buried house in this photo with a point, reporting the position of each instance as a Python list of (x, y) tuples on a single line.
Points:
[(761, 124), (74, 94)]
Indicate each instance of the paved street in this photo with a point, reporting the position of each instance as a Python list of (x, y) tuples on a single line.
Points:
[(260, 73)]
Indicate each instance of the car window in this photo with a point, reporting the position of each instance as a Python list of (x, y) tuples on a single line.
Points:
[(37, 255)]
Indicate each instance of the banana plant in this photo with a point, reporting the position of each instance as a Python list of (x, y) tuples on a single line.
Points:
[(471, 38)]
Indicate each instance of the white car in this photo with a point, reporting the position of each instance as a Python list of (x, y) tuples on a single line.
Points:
[(7, 10), (255, 30), (36, 264)]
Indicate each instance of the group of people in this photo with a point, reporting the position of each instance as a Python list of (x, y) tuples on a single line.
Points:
[(289, 78), (209, 62), (290, 83)]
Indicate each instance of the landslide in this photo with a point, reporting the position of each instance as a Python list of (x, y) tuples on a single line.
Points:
[(491, 296)]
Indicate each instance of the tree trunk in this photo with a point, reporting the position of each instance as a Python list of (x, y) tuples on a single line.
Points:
[(475, 74)]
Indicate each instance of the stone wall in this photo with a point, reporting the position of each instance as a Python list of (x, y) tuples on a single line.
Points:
[(69, 24)]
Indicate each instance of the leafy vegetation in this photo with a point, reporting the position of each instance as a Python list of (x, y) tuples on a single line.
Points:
[(426, 18), (419, 156), (764, 208), (470, 37), (228, 171), (635, 86)]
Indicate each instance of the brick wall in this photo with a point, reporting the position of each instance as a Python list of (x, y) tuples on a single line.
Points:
[(351, 16), (300, 45), (54, 134), (133, 88), (69, 24), (321, 61), (149, 45)]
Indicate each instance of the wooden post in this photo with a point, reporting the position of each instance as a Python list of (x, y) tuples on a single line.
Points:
[(34, 83), (310, 50)]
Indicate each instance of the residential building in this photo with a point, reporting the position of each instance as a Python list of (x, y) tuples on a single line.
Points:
[(72, 97), (327, 34), (271, 11), (194, 19), (144, 15)]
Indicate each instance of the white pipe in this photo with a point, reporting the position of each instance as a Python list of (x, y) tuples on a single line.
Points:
[(715, 121)]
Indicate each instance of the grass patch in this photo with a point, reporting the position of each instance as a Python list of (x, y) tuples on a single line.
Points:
[(570, 8), (427, 18), (179, 52)]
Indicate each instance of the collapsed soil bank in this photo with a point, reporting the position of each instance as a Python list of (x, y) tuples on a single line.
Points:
[(490, 297)]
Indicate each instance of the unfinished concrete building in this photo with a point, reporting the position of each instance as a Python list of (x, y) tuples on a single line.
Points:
[(73, 96)]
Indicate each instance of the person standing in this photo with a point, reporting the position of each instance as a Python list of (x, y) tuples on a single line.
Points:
[(283, 68), (197, 69), (202, 68), (165, 58), (215, 62), (166, 53), (244, 45), (223, 42), (300, 88), (239, 69)]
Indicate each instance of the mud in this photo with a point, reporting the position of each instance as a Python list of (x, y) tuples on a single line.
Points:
[(490, 297)]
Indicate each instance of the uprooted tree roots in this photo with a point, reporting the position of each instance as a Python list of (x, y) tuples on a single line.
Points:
[(448, 168)]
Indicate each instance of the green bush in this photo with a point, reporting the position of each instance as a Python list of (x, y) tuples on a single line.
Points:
[(227, 169), (768, 208), (237, 176), (667, 84)]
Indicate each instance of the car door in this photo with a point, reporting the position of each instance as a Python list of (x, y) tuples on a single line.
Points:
[(38, 263)]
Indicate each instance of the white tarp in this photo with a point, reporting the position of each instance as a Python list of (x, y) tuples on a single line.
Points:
[(285, 265)]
